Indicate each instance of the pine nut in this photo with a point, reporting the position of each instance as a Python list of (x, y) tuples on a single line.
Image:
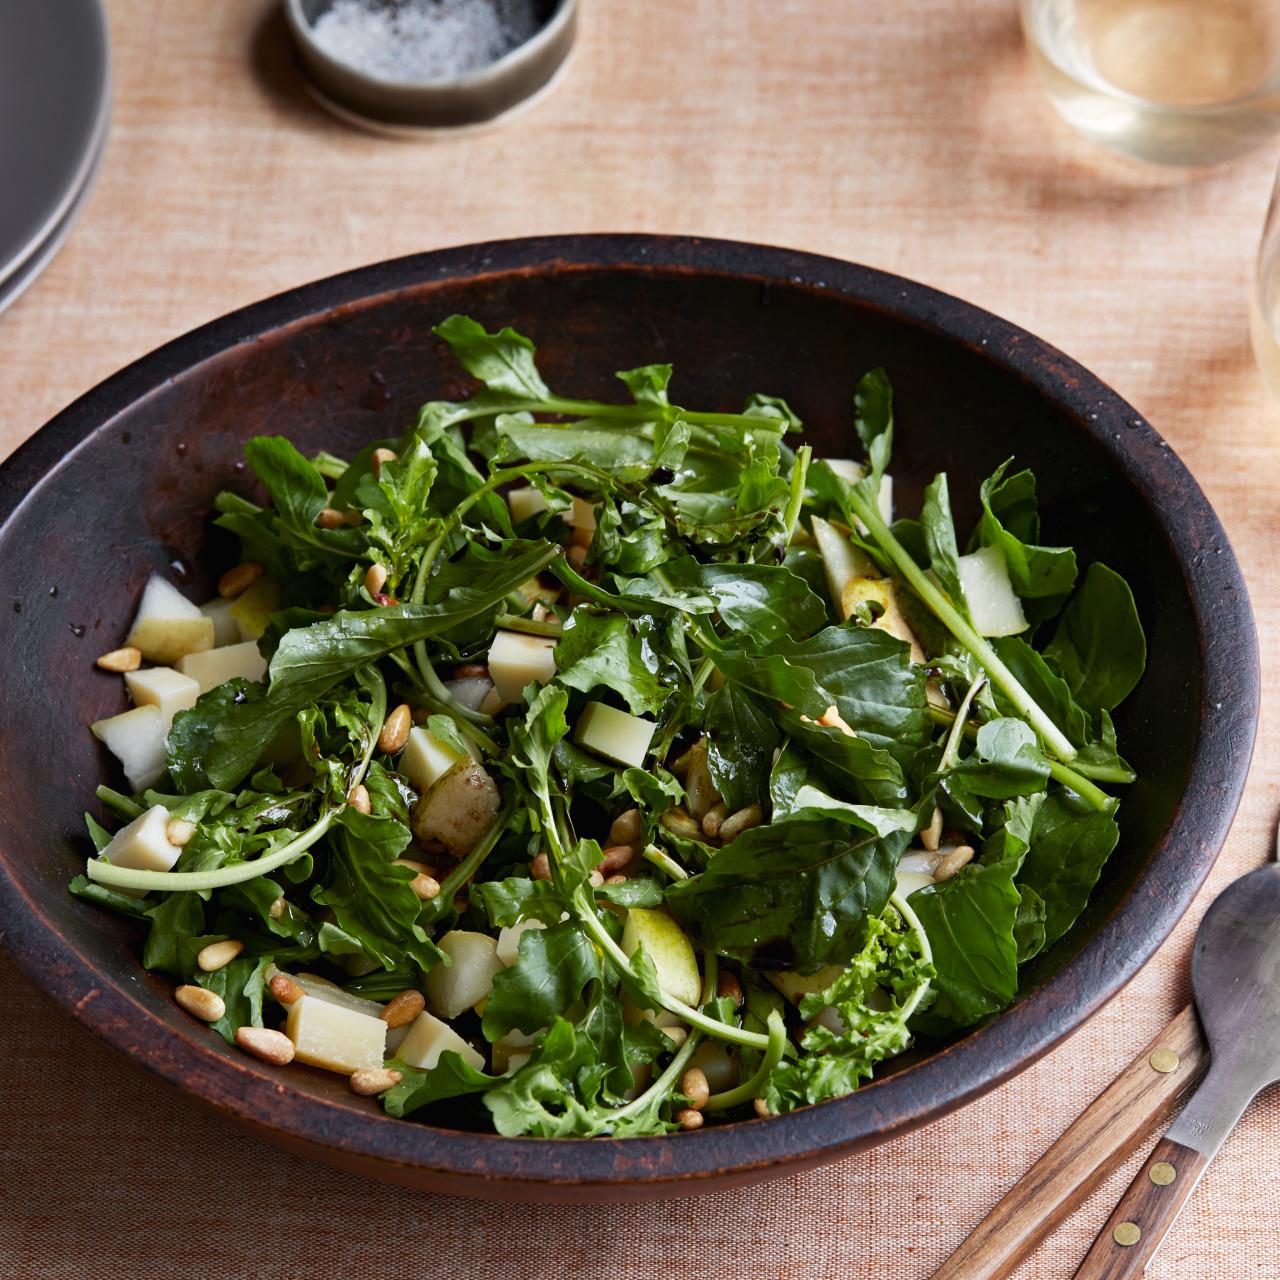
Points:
[(352, 517), (694, 1086), (219, 954), (728, 987), (380, 456), (395, 731), (424, 884), (375, 578), (358, 798), (713, 820), (834, 720), (269, 1046), (680, 765), (627, 827), (677, 1035), (276, 909), (284, 989), (761, 1108), (954, 861), (126, 659), (200, 1003), (237, 581), (540, 867), (402, 1009), (370, 1081), (330, 519), (179, 832), (689, 1119), (595, 880), (618, 879), (679, 823), (471, 671), (931, 836), (734, 825), (577, 558), (615, 858), (702, 793)]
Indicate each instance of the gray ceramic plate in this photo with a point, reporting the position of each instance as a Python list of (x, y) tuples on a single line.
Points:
[(54, 105)]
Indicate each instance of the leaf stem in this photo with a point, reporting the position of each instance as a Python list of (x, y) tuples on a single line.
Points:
[(898, 902), (952, 748), (799, 472), (469, 865), (513, 622), (664, 862), (750, 1088)]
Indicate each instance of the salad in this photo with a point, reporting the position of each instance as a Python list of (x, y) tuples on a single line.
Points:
[(574, 768)]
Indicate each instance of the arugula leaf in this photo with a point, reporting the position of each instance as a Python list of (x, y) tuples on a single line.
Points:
[(740, 742), (503, 361), (1006, 762), (598, 648), (940, 540), (553, 967), (873, 421), (1048, 688), (766, 602), (451, 1077), (648, 384)]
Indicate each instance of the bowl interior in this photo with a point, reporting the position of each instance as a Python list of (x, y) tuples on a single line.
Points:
[(134, 495)]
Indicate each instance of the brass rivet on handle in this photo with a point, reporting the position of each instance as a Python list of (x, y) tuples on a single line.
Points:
[(1126, 1233), (1165, 1061), (1161, 1173)]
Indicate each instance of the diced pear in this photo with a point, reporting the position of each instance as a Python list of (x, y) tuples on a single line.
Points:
[(795, 986), (468, 978), (582, 515), (252, 609), (328, 1035), (136, 739), (993, 604), (226, 630), (716, 1063), (167, 625), (884, 592), (512, 1051), (143, 846), (425, 759), (910, 881), (670, 950), (162, 687), (428, 1038), (516, 659), (492, 704), (525, 502), (217, 666), (614, 734), (841, 559), (508, 950)]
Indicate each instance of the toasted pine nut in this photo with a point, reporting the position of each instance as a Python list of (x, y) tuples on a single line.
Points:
[(734, 825), (931, 836), (380, 456), (358, 798), (330, 519), (540, 867), (284, 989), (693, 1084), (618, 879), (956, 860), (178, 831), (402, 1009), (702, 793), (679, 823), (762, 1108), (276, 909), (218, 954), (689, 1119), (370, 1081), (200, 1003), (471, 671), (677, 1035), (395, 730), (420, 867), (269, 1046), (126, 659), (375, 578), (352, 517), (595, 880), (680, 765), (834, 720), (238, 580), (728, 986), (627, 827), (713, 820), (615, 858), (577, 558), (426, 887)]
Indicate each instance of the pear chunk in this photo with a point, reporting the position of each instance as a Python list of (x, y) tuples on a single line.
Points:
[(167, 625), (428, 1038), (136, 739), (666, 944), (468, 978), (993, 604)]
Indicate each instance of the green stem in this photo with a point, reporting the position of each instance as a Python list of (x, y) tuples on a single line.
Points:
[(511, 622), (792, 514), (119, 804), (775, 1047), (329, 465), (664, 862), (628, 413), (665, 1083), (1053, 737), (952, 748), (899, 903)]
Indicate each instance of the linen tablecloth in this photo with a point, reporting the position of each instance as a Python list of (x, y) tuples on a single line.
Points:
[(912, 137)]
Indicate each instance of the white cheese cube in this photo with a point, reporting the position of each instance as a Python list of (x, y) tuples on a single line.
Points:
[(322, 989), (993, 604), (425, 758), (136, 739), (428, 1038), (162, 687), (143, 846), (582, 515), (614, 734), (167, 625), (226, 630), (468, 978), (525, 502), (329, 1035), (508, 950), (217, 666), (516, 659)]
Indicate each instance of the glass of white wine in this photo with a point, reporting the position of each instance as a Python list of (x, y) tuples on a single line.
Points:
[(1264, 306), (1180, 82)]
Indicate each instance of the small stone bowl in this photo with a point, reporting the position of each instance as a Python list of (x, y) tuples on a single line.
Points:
[(411, 108)]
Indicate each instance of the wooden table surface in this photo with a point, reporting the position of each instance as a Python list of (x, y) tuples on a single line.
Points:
[(912, 138)]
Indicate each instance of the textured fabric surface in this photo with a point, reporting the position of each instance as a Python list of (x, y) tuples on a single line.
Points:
[(910, 137)]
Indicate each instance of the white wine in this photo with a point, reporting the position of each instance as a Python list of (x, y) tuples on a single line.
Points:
[(1181, 82)]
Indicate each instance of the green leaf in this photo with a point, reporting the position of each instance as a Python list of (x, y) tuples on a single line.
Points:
[(193, 733), (554, 966), (766, 602), (873, 421), (503, 361), (1006, 762), (601, 445), (451, 1077), (740, 739), (648, 384), (605, 649), (940, 540), (1045, 686)]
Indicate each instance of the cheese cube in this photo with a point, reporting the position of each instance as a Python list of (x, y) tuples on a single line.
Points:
[(329, 1035), (516, 659), (425, 758), (512, 1051), (508, 950), (142, 845), (167, 625), (162, 687), (582, 515), (614, 734), (217, 666), (468, 978), (525, 502), (428, 1038), (226, 630), (136, 739), (993, 604)]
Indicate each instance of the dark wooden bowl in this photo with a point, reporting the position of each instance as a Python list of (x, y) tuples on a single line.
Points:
[(122, 483)]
